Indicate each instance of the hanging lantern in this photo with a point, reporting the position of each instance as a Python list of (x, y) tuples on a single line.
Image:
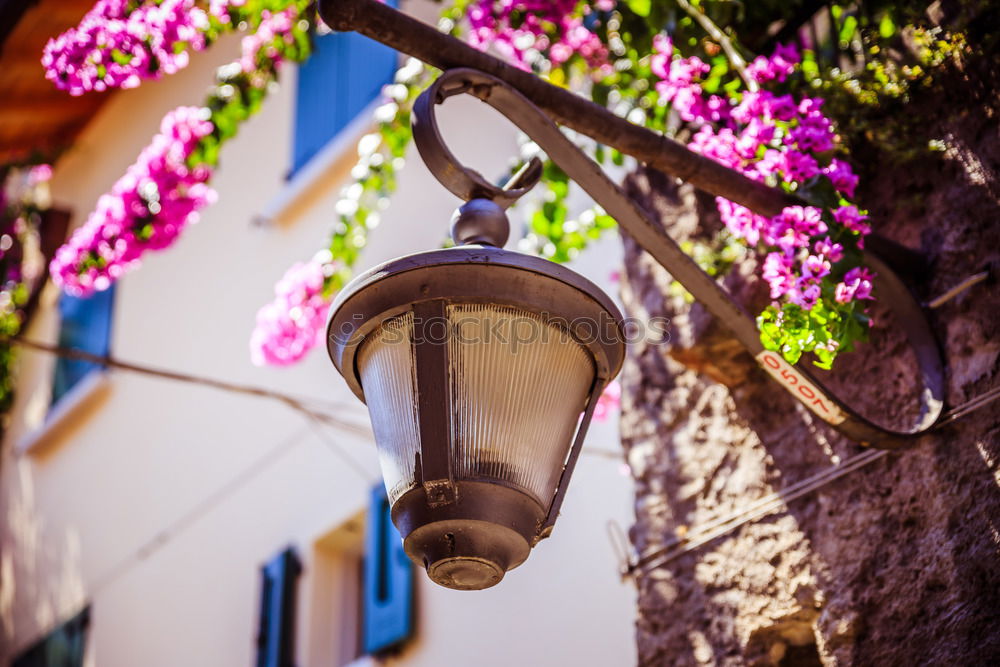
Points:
[(481, 368)]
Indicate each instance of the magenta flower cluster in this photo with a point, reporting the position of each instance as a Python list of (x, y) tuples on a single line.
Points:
[(609, 402), (261, 42), (117, 45), (778, 67), (294, 323), (162, 193), (554, 27), (159, 195), (776, 139)]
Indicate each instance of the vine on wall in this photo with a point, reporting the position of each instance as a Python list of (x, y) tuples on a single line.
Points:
[(24, 207)]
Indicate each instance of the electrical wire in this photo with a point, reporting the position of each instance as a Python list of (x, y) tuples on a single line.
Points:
[(971, 405), (954, 291), (199, 510), (702, 534), (305, 406), (296, 403), (217, 497), (316, 421), (317, 427)]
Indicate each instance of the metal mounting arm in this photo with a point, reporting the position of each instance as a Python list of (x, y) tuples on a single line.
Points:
[(798, 381)]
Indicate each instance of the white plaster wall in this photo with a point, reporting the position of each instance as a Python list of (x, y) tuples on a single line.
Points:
[(160, 502)]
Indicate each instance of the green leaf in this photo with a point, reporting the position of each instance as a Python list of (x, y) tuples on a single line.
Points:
[(732, 86), (539, 223), (824, 358), (847, 30), (605, 221), (640, 7), (886, 27), (792, 352)]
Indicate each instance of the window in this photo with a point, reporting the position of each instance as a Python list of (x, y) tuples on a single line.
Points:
[(85, 324), (276, 633), (345, 73), (336, 581), (63, 647), (362, 586), (388, 583)]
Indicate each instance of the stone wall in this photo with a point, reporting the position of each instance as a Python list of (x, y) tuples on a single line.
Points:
[(897, 563)]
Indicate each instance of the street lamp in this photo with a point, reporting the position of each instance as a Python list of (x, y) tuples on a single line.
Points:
[(477, 363), (474, 443), (481, 369)]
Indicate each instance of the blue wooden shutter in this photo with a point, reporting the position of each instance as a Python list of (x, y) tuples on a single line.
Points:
[(85, 324), (276, 632), (63, 647), (388, 581), (343, 75)]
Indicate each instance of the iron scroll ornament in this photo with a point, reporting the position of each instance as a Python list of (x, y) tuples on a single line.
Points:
[(800, 382)]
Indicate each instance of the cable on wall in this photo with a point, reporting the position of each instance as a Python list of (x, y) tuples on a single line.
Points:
[(296, 403), (702, 534)]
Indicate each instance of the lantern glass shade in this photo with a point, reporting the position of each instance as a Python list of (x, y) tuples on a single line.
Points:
[(518, 384), (386, 367)]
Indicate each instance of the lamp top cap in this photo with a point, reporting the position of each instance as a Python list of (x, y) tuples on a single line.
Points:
[(480, 222)]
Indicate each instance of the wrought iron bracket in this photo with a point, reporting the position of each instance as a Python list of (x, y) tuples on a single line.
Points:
[(794, 378)]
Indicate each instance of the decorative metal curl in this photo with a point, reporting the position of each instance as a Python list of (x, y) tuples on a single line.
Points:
[(462, 181), (800, 382)]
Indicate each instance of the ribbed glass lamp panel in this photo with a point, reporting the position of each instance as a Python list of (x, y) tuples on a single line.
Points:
[(518, 385), (386, 366)]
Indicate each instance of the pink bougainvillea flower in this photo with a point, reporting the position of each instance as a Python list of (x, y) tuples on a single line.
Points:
[(805, 293), (117, 45), (741, 221), (851, 218), (842, 176), (827, 248), (609, 402), (779, 66), (857, 284), (260, 44), (147, 208), (518, 28), (294, 323), (771, 138), (778, 274), (40, 173)]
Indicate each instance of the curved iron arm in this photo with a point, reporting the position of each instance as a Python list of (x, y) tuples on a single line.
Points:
[(798, 381)]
